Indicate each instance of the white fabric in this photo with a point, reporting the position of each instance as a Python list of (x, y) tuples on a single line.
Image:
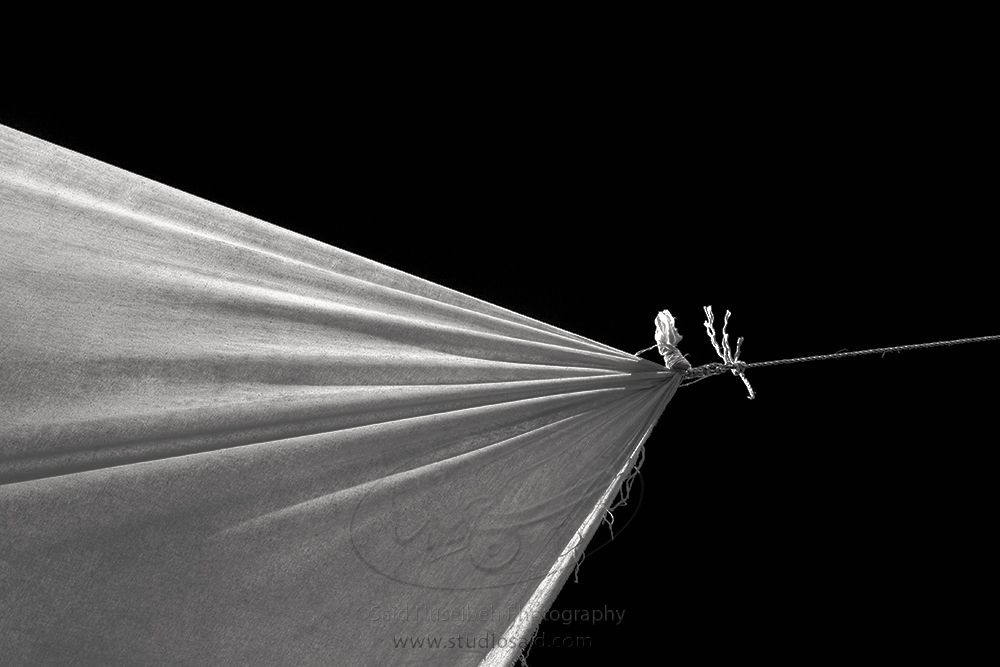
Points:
[(225, 443), (667, 337)]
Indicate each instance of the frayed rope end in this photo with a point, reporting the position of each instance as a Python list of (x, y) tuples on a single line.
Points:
[(730, 360)]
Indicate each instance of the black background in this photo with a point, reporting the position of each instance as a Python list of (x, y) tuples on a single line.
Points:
[(849, 510)]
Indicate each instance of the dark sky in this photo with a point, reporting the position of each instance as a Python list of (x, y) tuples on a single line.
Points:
[(852, 501)]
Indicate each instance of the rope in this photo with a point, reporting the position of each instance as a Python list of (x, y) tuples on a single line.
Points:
[(731, 361), (738, 367), (874, 350)]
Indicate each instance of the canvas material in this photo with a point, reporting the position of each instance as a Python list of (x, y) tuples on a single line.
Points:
[(225, 443)]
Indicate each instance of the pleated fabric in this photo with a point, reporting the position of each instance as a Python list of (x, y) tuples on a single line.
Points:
[(223, 443)]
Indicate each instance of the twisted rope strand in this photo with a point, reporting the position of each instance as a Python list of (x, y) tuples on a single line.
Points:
[(699, 373), (874, 350)]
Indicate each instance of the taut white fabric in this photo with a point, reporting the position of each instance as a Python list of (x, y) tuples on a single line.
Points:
[(225, 443)]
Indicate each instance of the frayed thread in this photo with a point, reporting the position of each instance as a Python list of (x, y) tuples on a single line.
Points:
[(523, 657), (730, 360), (626, 491), (579, 562), (609, 519), (621, 500)]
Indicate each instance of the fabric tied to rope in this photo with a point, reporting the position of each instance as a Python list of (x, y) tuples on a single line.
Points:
[(667, 338), (225, 443)]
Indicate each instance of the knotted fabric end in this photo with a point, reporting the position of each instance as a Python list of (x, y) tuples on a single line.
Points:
[(667, 338)]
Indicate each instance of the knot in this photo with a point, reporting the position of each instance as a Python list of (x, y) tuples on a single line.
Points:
[(730, 360), (713, 368)]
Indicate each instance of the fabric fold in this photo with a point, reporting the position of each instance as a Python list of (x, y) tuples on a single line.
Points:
[(225, 443)]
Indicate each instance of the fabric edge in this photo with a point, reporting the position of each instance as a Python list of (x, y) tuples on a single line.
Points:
[(520, 630)]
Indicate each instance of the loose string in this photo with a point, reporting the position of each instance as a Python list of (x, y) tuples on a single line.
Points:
[(731, 361)]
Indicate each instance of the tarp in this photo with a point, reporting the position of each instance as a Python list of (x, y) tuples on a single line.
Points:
[(222, 442)]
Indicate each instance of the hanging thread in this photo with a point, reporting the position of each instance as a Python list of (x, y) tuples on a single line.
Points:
[(730, 360)]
